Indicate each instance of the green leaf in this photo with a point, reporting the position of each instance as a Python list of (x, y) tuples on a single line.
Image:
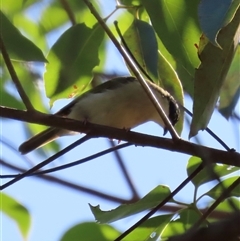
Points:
[(141, 41), (71, 61), (12, 6), (31, 29), (205, 176), (151, 229), (212, 15), (151, 200), (230, 91), (130, 2), (220, 187), (226, 205), (19, 47), (184, 220), (55, 16), (175, 23), (211, 74), (17, 212), (90, 232)]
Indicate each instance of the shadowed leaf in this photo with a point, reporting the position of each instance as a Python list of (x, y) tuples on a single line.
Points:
[(211, 74)]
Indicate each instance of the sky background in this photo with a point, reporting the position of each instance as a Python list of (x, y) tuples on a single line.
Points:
[(54, 209)]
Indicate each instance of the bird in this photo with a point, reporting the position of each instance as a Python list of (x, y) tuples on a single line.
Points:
[(120, 102)]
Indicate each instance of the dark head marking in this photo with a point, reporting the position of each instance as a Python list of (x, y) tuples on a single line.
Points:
[(174, 111)]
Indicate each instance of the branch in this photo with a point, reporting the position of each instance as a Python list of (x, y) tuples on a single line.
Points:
[(214, 155), (69, 11), (49, 178), (70, 185)]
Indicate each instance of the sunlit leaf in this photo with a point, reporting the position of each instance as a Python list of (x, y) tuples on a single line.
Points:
[(151, 229), (151, 200), (204, 175), (227, 205), (90, 232), (184, 220), (210, 75), (12, 6), (19, 47), (130, 2), (71, 61), (56, 16), (16, 212), (32, 30), (220, 187)]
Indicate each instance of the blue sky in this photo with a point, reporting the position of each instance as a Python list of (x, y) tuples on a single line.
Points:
[(54, 208)]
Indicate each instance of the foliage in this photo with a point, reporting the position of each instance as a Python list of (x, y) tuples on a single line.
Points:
[(178, 48)]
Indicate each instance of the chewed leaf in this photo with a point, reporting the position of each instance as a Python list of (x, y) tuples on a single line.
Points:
[(151, 200)]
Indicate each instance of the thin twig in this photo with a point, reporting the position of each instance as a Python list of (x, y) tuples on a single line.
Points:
[(14, 76), (135, 70), (46, 162), (70, 185), (69, 11), (124, 171), (76, 187), (72, 164), (210, 132)]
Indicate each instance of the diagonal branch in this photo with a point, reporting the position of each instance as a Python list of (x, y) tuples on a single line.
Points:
[(14, 76)]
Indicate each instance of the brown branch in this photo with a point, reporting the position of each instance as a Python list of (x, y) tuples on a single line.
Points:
[(214, 155), (14, 76), (124, 171), (69, 11)]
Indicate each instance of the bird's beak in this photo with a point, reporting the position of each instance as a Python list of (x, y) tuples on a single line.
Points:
[(165, 131)]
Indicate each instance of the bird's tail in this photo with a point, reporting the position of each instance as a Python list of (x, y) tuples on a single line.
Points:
[(39, 140)]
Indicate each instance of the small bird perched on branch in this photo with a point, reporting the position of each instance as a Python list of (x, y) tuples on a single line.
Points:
[(120, 102)]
